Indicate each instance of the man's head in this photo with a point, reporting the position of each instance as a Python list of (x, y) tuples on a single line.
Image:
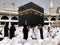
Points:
[(39, 26)]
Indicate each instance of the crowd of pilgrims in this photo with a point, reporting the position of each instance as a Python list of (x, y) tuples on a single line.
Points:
[(29, 35)]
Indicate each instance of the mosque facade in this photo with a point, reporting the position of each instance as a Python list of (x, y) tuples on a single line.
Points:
[(11, 15)]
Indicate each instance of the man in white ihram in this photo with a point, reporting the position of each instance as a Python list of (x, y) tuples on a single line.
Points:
[(40, 32), (31, 33)]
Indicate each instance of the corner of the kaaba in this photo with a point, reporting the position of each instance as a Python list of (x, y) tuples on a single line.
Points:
[(31, 14)]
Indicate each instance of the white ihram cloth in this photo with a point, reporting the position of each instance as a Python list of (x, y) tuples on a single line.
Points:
[(37, 33)]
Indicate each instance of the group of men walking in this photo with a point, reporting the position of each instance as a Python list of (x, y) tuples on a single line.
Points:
[(34, 32), (40, 32), (30, 32)]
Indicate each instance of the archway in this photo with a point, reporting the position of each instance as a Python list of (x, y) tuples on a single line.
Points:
[(14, 18), (53, 19), (4, 18)]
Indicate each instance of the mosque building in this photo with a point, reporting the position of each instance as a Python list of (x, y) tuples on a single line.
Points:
[(11, 15), (28, 25)]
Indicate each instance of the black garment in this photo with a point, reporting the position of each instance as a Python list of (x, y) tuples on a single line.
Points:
[(1, 39), (41, 33), (6, 28), (12, 30), (0, 33), (25, 32)]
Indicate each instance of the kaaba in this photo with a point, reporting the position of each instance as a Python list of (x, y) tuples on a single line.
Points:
[(31, 14)]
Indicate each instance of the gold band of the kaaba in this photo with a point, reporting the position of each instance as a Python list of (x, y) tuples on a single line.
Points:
[(30, 11)]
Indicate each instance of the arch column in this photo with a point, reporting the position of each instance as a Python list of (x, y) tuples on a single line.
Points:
[(57, 18), (49, 21), (9, 19)]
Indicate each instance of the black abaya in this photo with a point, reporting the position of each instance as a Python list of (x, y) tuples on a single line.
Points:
[(25, 32), (12, 30)]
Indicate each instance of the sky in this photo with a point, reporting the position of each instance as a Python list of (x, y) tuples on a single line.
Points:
[(42, 3)]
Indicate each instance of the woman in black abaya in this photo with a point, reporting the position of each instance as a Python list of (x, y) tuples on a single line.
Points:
[(25, 32), (6, 28), (12, 30)]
